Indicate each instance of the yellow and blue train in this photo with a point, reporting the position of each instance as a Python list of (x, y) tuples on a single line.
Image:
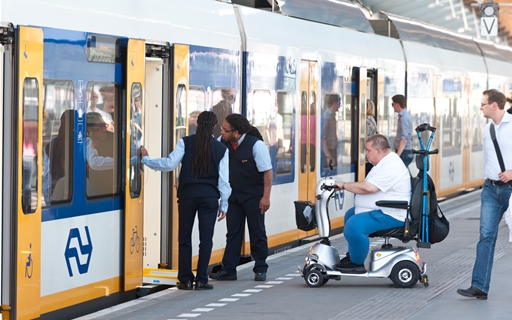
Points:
[(82, 220)]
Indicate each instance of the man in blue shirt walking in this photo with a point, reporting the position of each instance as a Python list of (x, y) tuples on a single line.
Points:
[(204, 177)]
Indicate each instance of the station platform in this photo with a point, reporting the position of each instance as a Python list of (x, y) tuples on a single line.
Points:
[(285, 294)]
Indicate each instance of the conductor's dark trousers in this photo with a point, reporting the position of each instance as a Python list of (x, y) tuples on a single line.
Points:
[(237, 213), (207, 209)]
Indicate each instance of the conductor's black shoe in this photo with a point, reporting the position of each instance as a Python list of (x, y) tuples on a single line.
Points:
[(187, 285), (347, 266), (260, 276), (473, 292), (223, 275), (203, 286)]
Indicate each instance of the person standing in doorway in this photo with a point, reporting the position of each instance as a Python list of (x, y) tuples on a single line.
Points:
[(204, 177), (496, 191), (403, 139), (250, 173)]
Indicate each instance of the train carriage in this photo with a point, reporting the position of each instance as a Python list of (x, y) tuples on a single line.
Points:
[(85, 226)]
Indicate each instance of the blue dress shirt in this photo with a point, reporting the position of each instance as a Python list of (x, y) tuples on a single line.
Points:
[(174, 159)]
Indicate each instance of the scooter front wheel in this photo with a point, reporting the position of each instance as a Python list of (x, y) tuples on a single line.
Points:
[(405, 274), (314, 278)]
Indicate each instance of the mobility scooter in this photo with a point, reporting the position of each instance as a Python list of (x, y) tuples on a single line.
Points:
[(400, 263)]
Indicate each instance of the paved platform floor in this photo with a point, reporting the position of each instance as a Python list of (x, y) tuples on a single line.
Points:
[(285, 295)]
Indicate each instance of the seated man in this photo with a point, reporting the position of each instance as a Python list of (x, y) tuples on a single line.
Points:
[(389, 179)]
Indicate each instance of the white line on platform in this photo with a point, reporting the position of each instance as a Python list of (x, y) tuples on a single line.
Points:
[(241, 295), (229, 299), (203, 309), (216, 304)]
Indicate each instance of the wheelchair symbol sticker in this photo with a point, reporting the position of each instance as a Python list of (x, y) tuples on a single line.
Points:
[(29, 265)]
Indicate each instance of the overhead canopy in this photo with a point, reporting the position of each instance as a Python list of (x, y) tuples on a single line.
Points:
[(342, 13), (417, 31)]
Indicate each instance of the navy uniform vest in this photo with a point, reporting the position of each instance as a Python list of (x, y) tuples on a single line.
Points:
[(245, 179), (200, 186)]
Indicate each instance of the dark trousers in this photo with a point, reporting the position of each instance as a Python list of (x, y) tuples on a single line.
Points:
[(235, 218), (207, 209)]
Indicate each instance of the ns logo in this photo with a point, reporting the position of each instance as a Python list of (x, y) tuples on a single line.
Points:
[(76, 248)]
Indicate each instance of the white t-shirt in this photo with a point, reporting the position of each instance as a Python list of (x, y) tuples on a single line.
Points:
[(393, 180)]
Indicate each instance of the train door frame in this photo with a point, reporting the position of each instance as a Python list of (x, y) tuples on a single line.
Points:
[(25, 268), (308, 78), (7, 132), (361, 130), (133, 227), (157, 139)]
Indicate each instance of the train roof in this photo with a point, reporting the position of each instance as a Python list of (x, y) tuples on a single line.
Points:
[(341, 13), (196, 22)]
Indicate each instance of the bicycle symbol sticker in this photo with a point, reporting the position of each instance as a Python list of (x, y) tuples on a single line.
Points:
[(29, 265), (134, 240)]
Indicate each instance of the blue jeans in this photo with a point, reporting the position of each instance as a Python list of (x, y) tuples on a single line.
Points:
[(359, 226), (494, 204), (407, 158)]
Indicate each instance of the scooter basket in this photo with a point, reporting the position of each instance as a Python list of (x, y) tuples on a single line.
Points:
[(305, 215)]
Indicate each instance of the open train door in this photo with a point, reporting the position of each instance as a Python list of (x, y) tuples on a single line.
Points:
[(361, 133), (133, 228), (26, 220)]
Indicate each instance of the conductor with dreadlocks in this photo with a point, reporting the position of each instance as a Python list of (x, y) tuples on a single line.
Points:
[(204, 177), (250, 173)]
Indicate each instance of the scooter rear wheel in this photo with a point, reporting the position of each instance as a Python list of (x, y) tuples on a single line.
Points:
[(314, 278), (405, 274)]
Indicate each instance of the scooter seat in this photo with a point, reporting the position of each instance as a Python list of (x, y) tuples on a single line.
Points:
[(391, 232)]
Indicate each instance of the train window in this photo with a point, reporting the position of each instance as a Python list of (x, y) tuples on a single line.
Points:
[(136, 111), (196, 98), (29, 133), (181, 117), (260, 113), (196, 105), (58, 141), (102, 48), (102, 147), (334, 120), (279, 130), (223, 99), (452, 122)]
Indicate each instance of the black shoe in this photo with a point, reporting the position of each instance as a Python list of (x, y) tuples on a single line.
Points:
[(344, 260), (223, 275), (473, 292), (185, 285), (260, 276), (203, 286), (347, 266)]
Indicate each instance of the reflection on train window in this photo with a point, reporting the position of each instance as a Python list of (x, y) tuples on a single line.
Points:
[(29, 133), (262, 105), (279, 129), (196, 105), (196, 98), (58, 141), (452, 115), (333, 122), (136, 111), (101, 143), (223, 99), (101, 48)]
